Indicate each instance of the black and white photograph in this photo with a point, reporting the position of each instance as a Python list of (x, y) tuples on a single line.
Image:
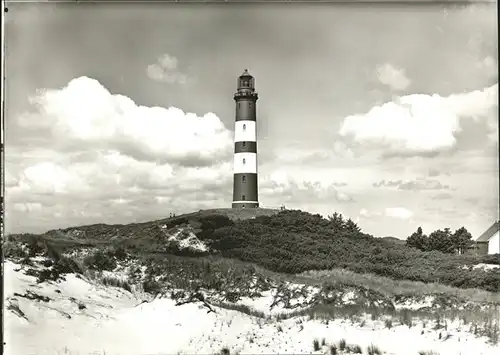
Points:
[(248, 177)]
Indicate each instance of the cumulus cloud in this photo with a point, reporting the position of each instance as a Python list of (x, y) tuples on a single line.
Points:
[(398, 212), (282, 187), (368, 214), (392, 76), (83, 155), (114, 188), (423, 125), (413, 185), (86, 114), (166, 70)]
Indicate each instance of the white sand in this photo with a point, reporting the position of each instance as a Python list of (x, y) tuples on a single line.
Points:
[(114, 323)]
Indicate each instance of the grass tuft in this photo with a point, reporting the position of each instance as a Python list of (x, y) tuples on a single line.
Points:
[(342, 344), (373, 350), (316, 346)]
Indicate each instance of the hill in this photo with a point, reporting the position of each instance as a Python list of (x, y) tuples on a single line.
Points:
[(286, 279), (287, 242)]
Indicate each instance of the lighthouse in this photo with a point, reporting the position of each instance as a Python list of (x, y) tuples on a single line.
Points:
[(245, 185)]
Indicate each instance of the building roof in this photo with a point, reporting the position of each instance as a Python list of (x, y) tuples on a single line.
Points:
[(490, 232)]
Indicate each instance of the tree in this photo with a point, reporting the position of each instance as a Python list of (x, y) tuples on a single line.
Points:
[(351, 226), (418, 240), (337, 220), (461, 240), (441, 240)]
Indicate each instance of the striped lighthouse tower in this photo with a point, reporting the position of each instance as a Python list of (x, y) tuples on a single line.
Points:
[(245, 187)]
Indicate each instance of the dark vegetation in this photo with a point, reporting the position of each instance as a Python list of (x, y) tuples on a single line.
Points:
[(442, 240), (288, 242), (295, 241)]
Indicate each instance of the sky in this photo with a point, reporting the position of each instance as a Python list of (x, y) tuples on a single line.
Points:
[(124, 112)]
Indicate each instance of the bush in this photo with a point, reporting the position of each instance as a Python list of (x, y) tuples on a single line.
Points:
[(15, 250), (490, 259), (59, 268), (294, 242), (151, 286), (100, 261)]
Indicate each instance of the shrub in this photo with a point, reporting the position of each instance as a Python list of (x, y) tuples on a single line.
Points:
[(15, 250), (60, 267), (295, 241), (388, 323), (355, 349), (101, 261), (333, 350), (151, 286)]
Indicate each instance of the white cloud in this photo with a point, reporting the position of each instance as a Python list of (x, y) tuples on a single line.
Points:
[(368, 214), (86, 113), (392, 76), (284, 187), (364, 213), (421, 124), (166, 70), (27, 207), (97, 152), (488, 64), (46, 177), (398, 212)]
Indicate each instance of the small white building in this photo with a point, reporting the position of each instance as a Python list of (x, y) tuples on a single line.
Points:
[(489, 241)]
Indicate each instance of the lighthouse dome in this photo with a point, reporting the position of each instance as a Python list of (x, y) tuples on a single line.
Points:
[(246, 74)]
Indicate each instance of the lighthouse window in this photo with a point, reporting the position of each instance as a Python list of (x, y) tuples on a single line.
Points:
[(243, 178), (244, 161), (244, 144), (244, 127), (243, 198)]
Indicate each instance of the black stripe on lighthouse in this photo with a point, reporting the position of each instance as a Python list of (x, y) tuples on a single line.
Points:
[(245, 147), (245, 190)]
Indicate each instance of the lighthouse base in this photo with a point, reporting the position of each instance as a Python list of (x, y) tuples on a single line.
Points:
[(245, 204)]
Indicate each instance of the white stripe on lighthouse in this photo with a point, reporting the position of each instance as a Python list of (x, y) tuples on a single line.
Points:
[(245, 131), (245, 163)]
